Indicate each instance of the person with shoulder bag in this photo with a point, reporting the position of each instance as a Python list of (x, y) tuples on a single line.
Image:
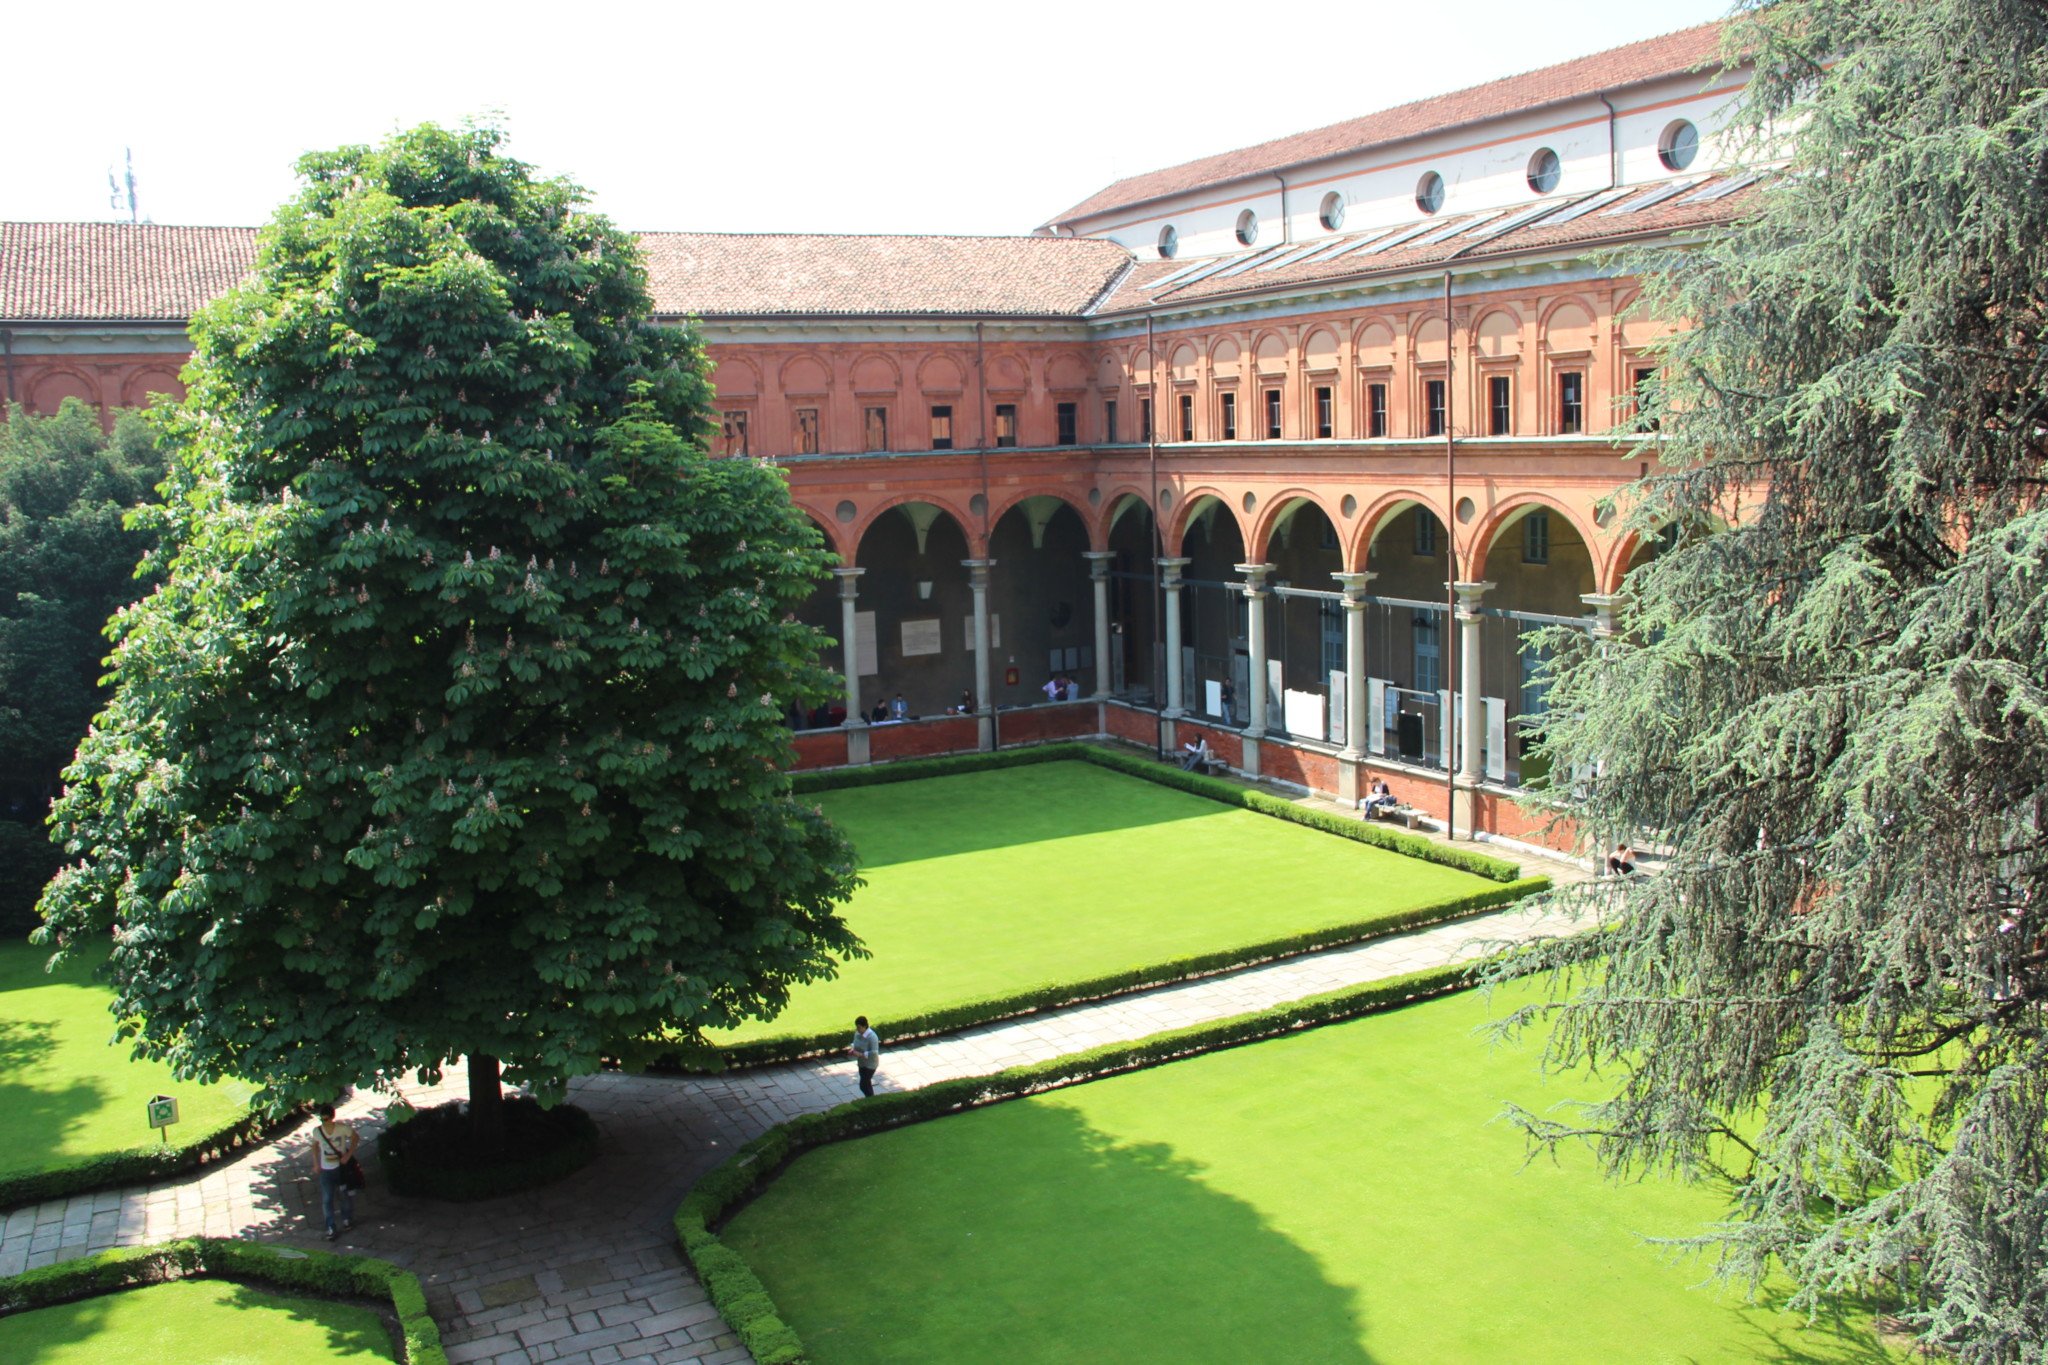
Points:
[(341, 1175)]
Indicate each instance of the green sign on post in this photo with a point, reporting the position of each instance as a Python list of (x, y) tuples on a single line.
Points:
[(163, 1112)]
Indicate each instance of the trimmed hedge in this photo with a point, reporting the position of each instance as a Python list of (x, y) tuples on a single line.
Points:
[(737, 1291), (565, 1136), (314, 1272), (133, 1165)]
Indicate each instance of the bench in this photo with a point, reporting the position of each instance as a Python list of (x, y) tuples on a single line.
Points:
[(1401, 811)]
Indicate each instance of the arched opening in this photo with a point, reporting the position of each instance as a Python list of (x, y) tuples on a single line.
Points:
[(914, 622), (1305, 624), (1541, 569), (1212, 613), (1407, 636), (1134, 541), (1041, 598)]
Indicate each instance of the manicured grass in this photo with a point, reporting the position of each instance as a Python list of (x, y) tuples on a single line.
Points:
[(64, 1093), (194, 1322), (988, 883), (1336, 1197)]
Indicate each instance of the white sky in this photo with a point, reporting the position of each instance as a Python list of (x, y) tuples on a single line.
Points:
[(850, 116)]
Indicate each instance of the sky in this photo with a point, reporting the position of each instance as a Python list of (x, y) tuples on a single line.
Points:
[(795, 116)]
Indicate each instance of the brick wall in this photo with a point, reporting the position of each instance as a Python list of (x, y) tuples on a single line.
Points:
[(1303, 767), (1060, 720), (924, 738), (1426, 794), (1500, 815), (1127, 722), (820, 749)]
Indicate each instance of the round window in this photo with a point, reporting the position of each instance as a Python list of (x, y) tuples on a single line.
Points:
[(1544, 171), (1679, 145), (1169, 242), (1429, 192), (1332, 214), (1247, 228)]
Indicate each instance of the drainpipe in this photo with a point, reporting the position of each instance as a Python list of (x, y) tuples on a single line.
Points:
[(995, 729), (1450, 651), (1286, 223), (1158, 550), (1613, 150)]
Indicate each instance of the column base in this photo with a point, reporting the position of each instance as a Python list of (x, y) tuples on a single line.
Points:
[(1251, 756), (1464, 810), (857, 750), (1350, 778), (985, 726)]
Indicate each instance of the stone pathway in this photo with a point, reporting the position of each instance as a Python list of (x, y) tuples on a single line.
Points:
[(586, 1272)]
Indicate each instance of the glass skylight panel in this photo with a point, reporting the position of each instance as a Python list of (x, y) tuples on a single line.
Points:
[(1491, 230), (1208, 268), (1450, 230), (1170, 276), (1721, 189), (1334, 249), (1586, 206), (1412, 230), (1300, 253), (1244, 263), (1656, 196)]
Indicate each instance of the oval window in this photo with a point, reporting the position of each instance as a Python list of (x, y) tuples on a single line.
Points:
[(1169, 242), (1247, 228), (1429, 192), (1332, 214), (1544, 171), (1679, 145)]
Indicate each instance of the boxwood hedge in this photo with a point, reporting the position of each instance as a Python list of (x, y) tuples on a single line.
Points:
[(133, 1165), (313, 1272)]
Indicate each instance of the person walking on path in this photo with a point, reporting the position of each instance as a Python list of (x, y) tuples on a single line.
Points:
[(867, 1053), (334, 1147)]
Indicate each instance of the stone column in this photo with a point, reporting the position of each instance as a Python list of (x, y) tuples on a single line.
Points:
[(1098, 575), (1349, 787), (1176, 685), (1471, 714), (1604, 606), (984, 703), (849, 649), (1255, 640)]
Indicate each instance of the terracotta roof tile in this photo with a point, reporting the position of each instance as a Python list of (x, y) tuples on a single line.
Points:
[(1669, 55), (123, 272)]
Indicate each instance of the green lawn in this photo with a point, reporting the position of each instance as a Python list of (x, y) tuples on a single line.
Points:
[(194, 1322), (64, 1093), (994, 882), (1337, 1197)]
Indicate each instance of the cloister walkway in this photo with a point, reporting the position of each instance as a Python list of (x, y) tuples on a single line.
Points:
[(586, 1272)]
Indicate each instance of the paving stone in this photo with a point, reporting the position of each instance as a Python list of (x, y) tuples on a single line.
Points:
[(506, 1292)]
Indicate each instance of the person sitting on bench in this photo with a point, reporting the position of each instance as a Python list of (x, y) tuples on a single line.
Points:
[(1381, 797), (1199, 755)]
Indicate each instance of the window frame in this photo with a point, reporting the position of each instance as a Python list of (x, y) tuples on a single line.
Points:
[(1500, 405), (1006, 417), (1187, 417), (1066, 418), (941, 412), (1323, 399), (808, 430), (1274, 415), (874, 427), (1536, 536), (1226, 414), (1109, 422), (727, 421), (1376, 410), (1571, 402), (1436, 410)]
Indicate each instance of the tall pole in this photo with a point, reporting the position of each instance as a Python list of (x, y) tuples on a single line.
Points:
[(1450, 557), (1158, 545)]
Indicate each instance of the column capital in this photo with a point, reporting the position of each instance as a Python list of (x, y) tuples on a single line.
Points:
[(1604, 605), (849, 580), (1254, 578), (1169, 571), (1354, 585), (977, 571), (1470, 593), (1098, 562)]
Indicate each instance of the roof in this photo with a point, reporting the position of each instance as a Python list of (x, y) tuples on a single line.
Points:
[(145, 272), (1575, 221), (713, 274), (1672, 54)]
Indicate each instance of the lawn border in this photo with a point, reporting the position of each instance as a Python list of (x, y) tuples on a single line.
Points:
[(716, 1057), (132, 1164), (739, 1294), (319, 1272)]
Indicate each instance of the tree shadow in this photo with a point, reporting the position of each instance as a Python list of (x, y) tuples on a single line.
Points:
[(1016, 1235), (183, 1331), (940, 817)]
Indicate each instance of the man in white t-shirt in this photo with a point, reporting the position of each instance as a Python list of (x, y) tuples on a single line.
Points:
[(334, 1147), (867, 1053)]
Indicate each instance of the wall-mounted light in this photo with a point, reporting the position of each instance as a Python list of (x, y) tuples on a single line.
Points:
[(924, 590)]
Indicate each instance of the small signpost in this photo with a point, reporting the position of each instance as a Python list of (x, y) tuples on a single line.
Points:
[(163, 1112)]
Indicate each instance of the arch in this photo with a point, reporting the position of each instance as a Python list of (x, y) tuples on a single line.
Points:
[(1432, 340), (1568, 325), (1499, 333), (48, 390), (858, 532), (1109, 373), (1374, 518), (803, 374), (1224, 358), (1272, 352), (146, 383), (1063, 492), (1319, 352), (941, 374), (1638, 328), (736, 377), (876, 373), (1193, 503), (1185, 364), (1278, 508), (1506, 511), (1375, 345), (821, 521), (1008, 374), (1141, 366), (1115, 502)]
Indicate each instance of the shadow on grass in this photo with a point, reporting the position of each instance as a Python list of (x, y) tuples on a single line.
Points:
[(1018, 1235), (35, 1120), (939, 817), (193, 1320), (1845, 1334)]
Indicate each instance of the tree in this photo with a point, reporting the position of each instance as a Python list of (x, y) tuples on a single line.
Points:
[(457, 726), (1833, 710), (66, 564)]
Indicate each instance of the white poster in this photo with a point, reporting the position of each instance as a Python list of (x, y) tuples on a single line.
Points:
[(1304, 711), (1340, 718), (921, 637), (864, 644), (1212, 698), (1447, 706), (1376, 718), (995, 631), (1276, 712), (1496, 738)]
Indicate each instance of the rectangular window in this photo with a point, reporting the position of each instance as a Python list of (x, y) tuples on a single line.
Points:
[(1500, 406), (733, 427), (1640, 386), (1425, 533), (1428, 657), (1006, 424), (875, 423), (1571, 402), (1230, 417), (1536, 538), (1145, 420), (1109, 422), (1187, 417), (1272, 414), (806, 431), (942, 426), (1433, 404), (1326, 414), (1376, 409), (1068, 418)]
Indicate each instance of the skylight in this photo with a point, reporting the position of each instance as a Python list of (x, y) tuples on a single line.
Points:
[(1586, 206), (1656, 196), (1721, 189)]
